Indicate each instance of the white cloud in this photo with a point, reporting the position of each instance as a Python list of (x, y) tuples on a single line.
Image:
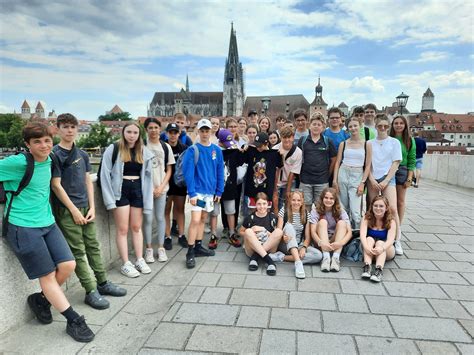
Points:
[(428, 56), (367, 83)]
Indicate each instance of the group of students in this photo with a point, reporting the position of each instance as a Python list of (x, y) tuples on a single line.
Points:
[(297, 190)]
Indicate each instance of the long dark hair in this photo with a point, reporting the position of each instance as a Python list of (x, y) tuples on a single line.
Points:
[(406, 136), (336, 208), (387, 218)]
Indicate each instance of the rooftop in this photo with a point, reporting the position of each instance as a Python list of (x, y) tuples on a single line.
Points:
[(425, 303)]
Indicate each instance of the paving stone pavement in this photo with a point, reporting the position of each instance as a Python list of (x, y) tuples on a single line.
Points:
[(425, 304)]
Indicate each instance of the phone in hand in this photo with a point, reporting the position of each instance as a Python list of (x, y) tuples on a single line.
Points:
[(201, 203)]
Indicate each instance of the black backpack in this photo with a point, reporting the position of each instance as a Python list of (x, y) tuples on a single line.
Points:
[(114, 159), (25, 180)]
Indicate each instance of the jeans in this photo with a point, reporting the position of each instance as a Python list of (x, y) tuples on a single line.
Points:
[(159, 204), (348, 180)]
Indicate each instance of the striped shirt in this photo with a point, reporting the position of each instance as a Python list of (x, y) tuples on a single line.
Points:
[(297, 225)]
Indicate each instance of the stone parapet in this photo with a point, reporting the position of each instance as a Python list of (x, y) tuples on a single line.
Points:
[(15, 286), (452, 169)]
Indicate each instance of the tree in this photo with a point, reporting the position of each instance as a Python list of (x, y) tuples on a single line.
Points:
[(122, 116), (98, 137), (11, 127)]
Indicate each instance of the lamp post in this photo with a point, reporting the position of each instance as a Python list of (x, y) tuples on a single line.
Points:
[(402, 100), (266, 104)]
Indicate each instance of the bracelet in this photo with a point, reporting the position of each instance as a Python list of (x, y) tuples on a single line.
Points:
[(304, 246), (409, 180)]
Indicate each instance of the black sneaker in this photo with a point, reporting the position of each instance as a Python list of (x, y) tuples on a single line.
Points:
[(190, 260), (111, 289), (366, 271), (168, 244), (79, 330), (199, 250), (183, 241), (96, 301), (40, 307), (377, 275)]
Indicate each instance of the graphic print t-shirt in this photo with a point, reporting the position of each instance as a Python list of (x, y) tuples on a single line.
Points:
[(261, 171)]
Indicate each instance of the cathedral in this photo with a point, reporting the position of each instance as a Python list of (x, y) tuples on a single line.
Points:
[(229, 102)]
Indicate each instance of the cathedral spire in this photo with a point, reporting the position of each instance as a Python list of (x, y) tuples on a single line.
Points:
[(233, 79), (187, 83)]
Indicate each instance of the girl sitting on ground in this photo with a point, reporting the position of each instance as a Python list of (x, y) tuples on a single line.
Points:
[(377, 234), (330, 228), (261, 235), (295, 247)]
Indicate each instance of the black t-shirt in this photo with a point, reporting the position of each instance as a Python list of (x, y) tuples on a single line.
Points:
[(72, 170), (261, 171), (233, 158), (268, 222), (316, 160)]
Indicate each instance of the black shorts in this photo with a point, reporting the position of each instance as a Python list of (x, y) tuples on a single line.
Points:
[(401, 175), (175, 190), (131, 194), (39, 250)]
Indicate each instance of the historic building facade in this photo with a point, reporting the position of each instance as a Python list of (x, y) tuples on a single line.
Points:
[(229, 102)]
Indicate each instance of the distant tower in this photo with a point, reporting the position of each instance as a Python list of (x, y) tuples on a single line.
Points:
[(318, 104), (427, 101), (233, 93), (25, 110), (187, 83), (39, 110)]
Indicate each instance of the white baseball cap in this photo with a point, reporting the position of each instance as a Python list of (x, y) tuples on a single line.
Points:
[(204, 123)]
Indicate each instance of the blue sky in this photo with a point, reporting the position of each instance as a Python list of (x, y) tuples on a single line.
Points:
[(85, 56)]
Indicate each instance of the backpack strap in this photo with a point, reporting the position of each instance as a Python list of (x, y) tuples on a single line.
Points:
[(165, 150), (366, 133), (290, 152), (196, 154), (115, 153), (343, 149)]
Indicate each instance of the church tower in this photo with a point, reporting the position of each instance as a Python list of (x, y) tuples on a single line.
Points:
[(427, 101), (233, 93), (318, 104)]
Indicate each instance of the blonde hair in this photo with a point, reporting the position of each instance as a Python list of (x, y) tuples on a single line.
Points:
[(302, 210)]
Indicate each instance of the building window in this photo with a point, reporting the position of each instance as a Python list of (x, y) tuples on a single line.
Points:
[(460, 136), (452, 136), (468, 136)]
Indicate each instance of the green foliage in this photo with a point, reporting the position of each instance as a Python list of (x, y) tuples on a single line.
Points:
[(11, 126), (123, 116), (98, 137)]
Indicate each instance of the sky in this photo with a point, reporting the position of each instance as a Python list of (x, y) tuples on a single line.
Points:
[(85, 56)]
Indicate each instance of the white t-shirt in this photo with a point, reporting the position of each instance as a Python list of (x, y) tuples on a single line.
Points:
[(290, 165), (384, 153), (158, 168)]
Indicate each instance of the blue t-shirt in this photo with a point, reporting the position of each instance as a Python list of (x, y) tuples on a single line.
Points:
[(336, 138)]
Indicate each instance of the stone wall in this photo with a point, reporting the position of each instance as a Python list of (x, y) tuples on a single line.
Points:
[(452, 169), (15, 286)]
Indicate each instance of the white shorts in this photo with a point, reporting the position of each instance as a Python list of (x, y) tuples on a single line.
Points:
[(208, 199)]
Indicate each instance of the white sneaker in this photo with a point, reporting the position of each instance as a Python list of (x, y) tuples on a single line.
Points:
[(299, 270), (141, 266), (129, 270), (398, 247), (149, 255), (162, 255), (325, 264), (277, 257), (207, 228), (335, 264)]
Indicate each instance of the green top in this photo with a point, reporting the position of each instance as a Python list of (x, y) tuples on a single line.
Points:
[(372, 133), (31, 207), (408, 157)]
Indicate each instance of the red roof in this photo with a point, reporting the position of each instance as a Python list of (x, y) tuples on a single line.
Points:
[(25, 105), (444, 122), (116, 109), (39, 105)]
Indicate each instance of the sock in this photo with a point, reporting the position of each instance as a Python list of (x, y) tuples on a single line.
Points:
[(198, 243), (326, 255), (167, 237), (335, 255), (70, 314), (103, 283), (181, 236), (190, 248), (255, 257), (268, 260), (231, 231), (43, 299)]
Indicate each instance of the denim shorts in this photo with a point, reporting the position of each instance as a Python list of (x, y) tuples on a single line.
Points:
[(390, 183), (39, 250), (131, 194), (419, 163)]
